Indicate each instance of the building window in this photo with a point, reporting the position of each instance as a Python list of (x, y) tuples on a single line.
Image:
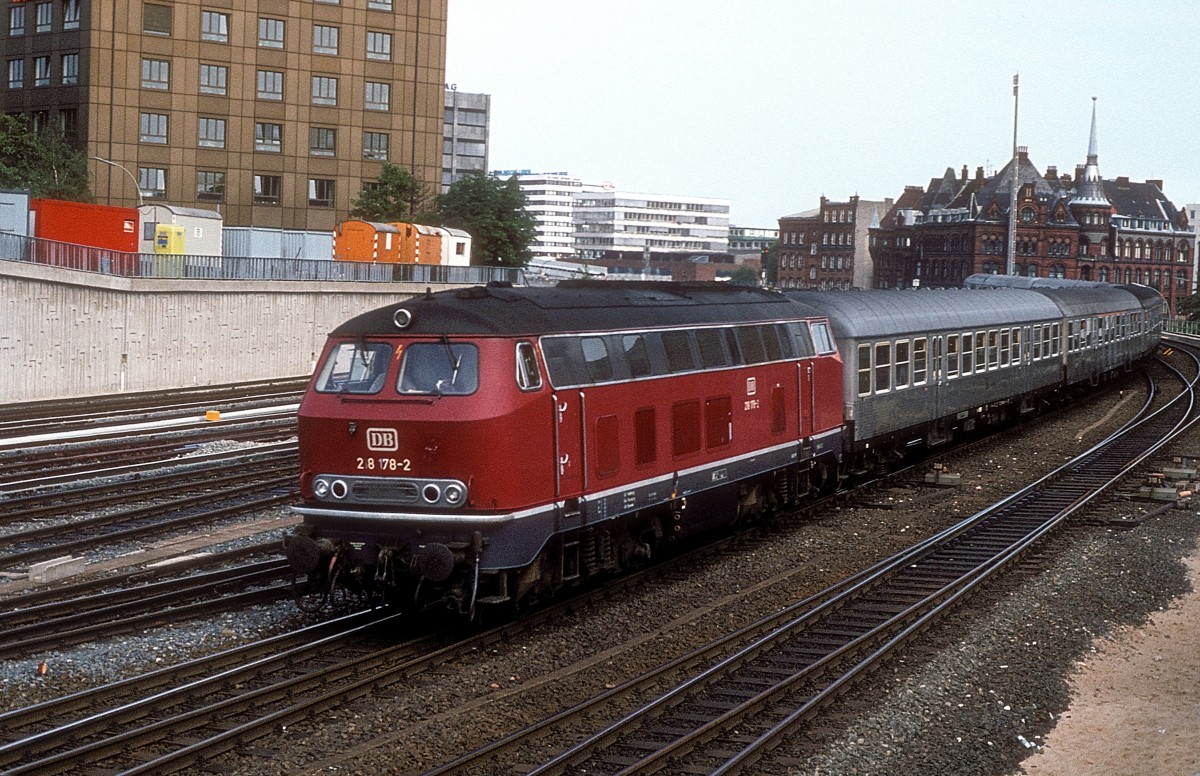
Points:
[(152, 181), (71, 15), (214, 79), (325, 39), (153, 128), (270, 85), (375, 145), (16, 73), (70, 69), (44, 15), (320, 192), (379, 5), (210, 185), (156, 19), (270, 33), (214, 26), (322, 141), (379, 46), (41, 71), (324, 90), (379, 96), (156, 74), (267, 188), (268, 137), (16, 21), (212, 133)]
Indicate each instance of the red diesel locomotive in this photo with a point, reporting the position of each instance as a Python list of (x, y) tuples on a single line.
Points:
[(488, 446)]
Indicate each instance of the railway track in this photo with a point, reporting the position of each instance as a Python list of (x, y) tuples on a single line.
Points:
[(199, 734), (747, 691), (96, 412)]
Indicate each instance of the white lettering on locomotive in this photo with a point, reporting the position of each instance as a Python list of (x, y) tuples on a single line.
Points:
[(383, 439)]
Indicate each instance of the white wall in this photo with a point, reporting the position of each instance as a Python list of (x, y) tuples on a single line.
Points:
[(66, 334)]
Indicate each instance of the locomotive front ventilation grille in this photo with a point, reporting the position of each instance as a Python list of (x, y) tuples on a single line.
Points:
[(389, 491)]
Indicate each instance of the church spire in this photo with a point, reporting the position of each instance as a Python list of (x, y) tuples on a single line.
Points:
[(1089, 190)]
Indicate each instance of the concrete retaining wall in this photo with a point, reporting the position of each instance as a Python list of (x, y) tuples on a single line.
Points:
[(67, 334)]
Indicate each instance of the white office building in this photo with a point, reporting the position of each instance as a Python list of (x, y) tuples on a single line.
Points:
[(550, 199), (611, 224)]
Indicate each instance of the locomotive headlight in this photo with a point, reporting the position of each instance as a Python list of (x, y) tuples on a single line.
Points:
[(321, 487), (339, 488), (431, 493), (402, 318), (454, 495)]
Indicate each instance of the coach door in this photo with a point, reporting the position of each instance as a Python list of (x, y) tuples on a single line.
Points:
[(570, 466)]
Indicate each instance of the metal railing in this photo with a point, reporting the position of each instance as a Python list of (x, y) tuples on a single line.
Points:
[(161, 265)]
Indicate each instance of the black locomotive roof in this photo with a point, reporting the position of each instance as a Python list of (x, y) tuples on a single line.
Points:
[(572, 306)]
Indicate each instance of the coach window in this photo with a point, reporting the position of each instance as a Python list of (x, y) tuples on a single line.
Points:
[(980, 351), (678, 346), (718, 421), (595, 355), (920, 359), (1055, 339), (864, 370), (883, 367), (1016, 346), (1005, 347), (712, 348), (968, 354), (951, 356), (685, 428), (608, 457), (528, 376), (1035, 343), (635, 353), (902, 364), (822, 339), (645, 438)]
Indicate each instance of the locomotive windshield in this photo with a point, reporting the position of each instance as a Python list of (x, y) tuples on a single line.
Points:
[(439, 368), (355, 367)]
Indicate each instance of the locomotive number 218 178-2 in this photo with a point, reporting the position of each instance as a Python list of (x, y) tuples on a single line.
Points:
[(384, 464)]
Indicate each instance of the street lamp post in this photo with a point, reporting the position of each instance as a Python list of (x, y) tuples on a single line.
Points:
[(136, 187)]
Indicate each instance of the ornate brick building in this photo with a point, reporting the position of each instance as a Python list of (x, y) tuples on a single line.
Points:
[(827, 247), (1081, 227)]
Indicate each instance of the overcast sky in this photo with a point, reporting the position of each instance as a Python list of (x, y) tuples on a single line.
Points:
[(773, 103)]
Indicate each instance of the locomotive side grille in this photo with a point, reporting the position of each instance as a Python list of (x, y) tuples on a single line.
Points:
[(384, 492)]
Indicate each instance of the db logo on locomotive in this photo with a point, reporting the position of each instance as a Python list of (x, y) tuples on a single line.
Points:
[(383, 439)]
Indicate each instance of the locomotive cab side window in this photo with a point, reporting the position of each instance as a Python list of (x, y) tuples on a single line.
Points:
[(822, 339), (528, 376), (439, 368), (355, 367)]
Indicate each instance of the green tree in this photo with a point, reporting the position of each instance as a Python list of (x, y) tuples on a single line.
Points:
[(43, 162), (770, 263), (494, 214), (744, 276), (1188, 306), (396, 196)]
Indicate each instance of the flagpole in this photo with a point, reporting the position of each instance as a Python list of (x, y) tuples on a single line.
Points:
[(1012, 202)]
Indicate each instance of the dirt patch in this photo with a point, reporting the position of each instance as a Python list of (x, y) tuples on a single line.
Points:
[(1135, 704)]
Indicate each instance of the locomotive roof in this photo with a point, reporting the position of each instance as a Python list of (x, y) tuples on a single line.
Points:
[(584, 305)]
